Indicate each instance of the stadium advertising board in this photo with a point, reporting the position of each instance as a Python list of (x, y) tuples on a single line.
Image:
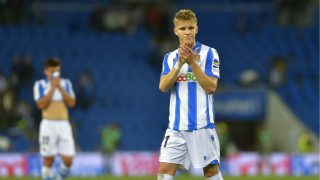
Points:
[(85, 164), (13, 165), (136, 163), (240, 105), (302, 165)]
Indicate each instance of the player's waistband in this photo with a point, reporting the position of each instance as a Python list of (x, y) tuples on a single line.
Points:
[(208, 126), (55, 120)]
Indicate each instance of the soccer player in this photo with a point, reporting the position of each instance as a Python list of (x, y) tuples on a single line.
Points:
[(191, 73), (53, 96)]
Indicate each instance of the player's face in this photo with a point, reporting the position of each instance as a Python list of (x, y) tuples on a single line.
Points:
[(186, 30), (50, 70)]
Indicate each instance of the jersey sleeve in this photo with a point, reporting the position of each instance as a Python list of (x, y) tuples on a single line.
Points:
[(69, 88), (38, 91), (165, 66), (212, 67)]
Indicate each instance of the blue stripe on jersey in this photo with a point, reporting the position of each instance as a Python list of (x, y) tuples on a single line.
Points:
[(208, 67), (215, 162), (177, 117), (198, 45), (175, 60), (68, 88), (192, 105), (166, 68), (41, 91), (209, 126), (207, 111)]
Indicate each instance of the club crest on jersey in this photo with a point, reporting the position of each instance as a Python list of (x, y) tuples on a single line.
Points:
[(188, 77), (216, 63)]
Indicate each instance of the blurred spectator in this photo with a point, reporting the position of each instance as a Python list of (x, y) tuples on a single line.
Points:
[(157, 20), (9, 117), (249, 77), (295, 12), (241, 24), (110, 138), (26, 121), (224, 137), (27, 70), (13, 11), (16, 68), (114, 18), (96, 18), (305, 144), (86, 88), (277, 74), (4, 143), (227, 145), (3, 84), (16, 65), (22, 72), (264, 139)]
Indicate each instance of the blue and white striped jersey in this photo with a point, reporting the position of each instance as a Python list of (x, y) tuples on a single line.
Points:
[(191, 107), (42, 87)]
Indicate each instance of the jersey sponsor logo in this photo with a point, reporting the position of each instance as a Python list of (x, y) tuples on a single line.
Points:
[(189, 77)]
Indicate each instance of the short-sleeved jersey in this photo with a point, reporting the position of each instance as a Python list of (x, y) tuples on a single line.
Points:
[(42, 87), (191, 107)]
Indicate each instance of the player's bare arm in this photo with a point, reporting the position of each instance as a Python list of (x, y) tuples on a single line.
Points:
[(168, 80), (209, 84), (67, 99), (44, 102)]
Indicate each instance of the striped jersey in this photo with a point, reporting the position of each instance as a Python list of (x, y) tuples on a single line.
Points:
[(42, 87), (191, 107)]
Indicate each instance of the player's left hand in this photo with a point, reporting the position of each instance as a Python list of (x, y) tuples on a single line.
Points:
[(188, 54)]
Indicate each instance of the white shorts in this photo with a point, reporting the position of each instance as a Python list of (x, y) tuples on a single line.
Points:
[(199, 147), (55, 137)]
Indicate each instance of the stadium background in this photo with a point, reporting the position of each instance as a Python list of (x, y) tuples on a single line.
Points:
[(267, 102)]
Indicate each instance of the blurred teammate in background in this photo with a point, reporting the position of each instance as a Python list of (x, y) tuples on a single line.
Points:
[(53, 96), (191, 73)]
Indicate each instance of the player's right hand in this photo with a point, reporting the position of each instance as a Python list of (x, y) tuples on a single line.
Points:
[(55, 82)]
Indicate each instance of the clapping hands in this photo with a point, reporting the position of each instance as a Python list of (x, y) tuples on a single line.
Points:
[(188, 55)]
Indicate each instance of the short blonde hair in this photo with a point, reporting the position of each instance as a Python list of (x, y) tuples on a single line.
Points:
[(183, 15)]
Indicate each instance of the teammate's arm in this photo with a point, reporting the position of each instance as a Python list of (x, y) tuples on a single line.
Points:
[(45, 100), (168, 80), (67, 99)]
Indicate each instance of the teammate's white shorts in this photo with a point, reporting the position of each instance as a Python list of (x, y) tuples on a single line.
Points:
[(56, 138), (199, 147)]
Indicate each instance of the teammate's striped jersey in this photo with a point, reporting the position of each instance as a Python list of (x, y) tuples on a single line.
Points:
[(190, 106), (42, 87)]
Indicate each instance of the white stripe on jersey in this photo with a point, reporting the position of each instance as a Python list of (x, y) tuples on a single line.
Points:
[(190, 106), (42, 87)]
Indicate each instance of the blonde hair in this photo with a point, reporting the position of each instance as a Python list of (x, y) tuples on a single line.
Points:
[(183, 15)]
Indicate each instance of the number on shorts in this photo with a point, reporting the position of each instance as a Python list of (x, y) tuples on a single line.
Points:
[(45, 140), (165, 142)]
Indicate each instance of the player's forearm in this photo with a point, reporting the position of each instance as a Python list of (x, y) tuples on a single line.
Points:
[(44, 102), (167, 81), (205, 81), (67, 99)]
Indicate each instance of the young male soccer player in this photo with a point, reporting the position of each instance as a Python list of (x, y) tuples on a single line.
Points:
[(192, 73), (53, 96)]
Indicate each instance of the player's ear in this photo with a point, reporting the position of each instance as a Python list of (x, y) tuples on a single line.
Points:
[(175, 31)]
